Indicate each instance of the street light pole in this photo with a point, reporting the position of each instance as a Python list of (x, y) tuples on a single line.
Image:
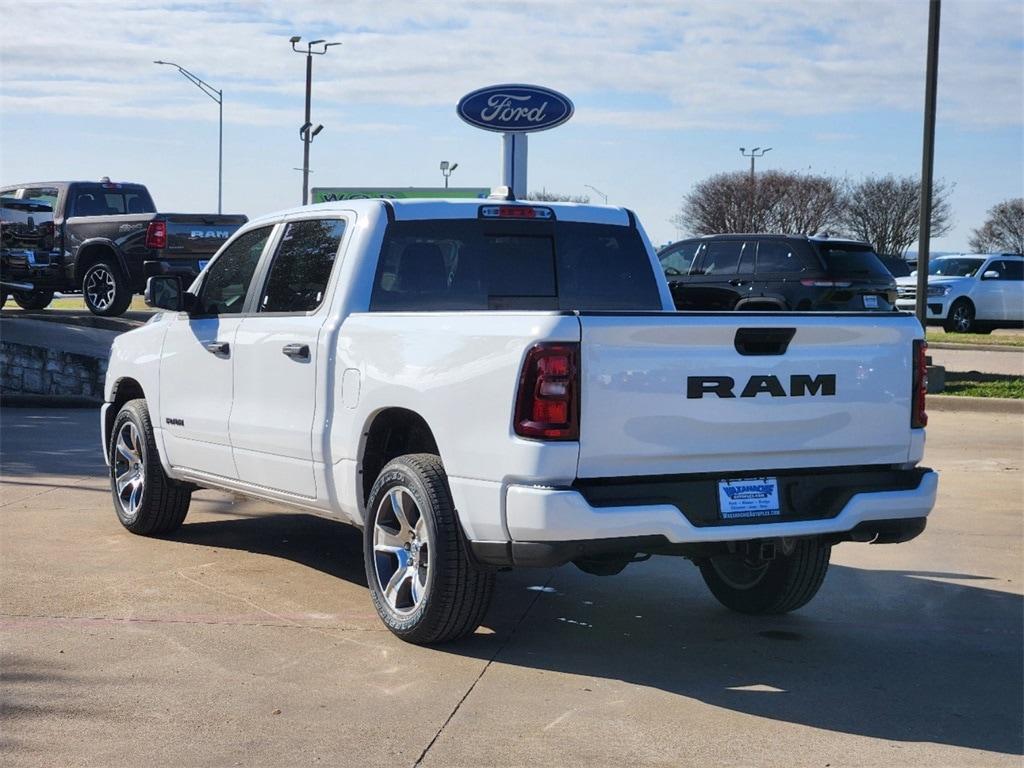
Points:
[(307, 132), (446, 170), (924, 225), (218, 96), (598, 191), (754, 153)]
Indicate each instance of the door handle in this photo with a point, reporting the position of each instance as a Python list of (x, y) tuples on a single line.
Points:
[(738, 282), (218, 347), (296, 351)]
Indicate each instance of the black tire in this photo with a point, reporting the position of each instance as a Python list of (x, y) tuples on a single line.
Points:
[(454, 593), (162, 503), (33, 300), (106, 290), (774, 586), (960, 318)]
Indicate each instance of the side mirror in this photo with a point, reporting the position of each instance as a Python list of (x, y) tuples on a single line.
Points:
[(990, 275), (166, 292), (913, 273)]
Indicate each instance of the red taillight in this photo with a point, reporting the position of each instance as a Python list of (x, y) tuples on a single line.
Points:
[(547, 405), (918, 414), (156, 234)]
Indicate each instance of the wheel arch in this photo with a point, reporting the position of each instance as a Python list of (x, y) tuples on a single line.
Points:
[(125, 388), (391, 432), (755, 303), (93, 251)]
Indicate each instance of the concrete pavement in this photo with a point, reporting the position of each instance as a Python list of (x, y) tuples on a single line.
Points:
[(1008, 361), (248, 638)]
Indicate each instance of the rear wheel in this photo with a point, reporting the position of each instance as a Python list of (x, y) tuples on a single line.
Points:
[(146, 500), (106, 290), (423, 585), (961, 317), (32, 300), (749, 584)]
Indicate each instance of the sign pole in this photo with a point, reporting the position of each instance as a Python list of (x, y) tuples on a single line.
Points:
[(513, 163)]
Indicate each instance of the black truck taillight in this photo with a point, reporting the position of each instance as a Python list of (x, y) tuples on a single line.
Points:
[(918, 414), (547, 405), (156, 235)]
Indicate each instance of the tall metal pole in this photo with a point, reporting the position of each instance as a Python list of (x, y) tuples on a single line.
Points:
[(927, 162), (307, 137), (752, 170), (220, 153)]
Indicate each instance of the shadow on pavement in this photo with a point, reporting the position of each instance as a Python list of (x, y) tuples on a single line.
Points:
[(893, 655), (28, 447)]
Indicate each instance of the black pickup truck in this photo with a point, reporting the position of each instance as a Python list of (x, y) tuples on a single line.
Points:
[(101, 238)]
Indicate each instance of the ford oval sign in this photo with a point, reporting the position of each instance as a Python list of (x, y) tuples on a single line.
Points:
[(515, 108)]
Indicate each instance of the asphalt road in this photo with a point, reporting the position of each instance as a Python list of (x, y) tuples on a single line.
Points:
[(248, 639)]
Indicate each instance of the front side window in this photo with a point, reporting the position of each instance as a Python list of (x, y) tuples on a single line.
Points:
[(676, 261), (227, 279), (302, 266)]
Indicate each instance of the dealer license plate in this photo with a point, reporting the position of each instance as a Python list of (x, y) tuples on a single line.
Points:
[(870, 302), (753, 497), (203, 263)]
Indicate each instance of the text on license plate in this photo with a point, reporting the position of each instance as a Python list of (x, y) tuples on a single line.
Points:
[(871, 302), (753, 497)]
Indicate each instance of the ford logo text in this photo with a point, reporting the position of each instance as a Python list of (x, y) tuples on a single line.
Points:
[(515, 108)]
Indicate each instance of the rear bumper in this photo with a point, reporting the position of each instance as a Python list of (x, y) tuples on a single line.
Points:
[(553, 526), (186, 268)]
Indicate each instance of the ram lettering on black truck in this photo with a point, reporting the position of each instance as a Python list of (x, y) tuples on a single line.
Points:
[(489, 384), (101, 238)]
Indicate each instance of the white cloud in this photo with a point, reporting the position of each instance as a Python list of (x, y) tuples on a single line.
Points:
[(700, 64)]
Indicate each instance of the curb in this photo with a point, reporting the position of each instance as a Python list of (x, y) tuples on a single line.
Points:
[(975, 404), (974, 347), (23, 400)]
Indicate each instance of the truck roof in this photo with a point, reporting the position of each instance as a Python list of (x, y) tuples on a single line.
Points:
[(455, 208)]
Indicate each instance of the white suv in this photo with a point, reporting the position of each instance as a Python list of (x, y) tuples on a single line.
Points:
[(970, 292)]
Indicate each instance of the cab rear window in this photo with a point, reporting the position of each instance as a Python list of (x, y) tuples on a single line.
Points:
[(467, 264)]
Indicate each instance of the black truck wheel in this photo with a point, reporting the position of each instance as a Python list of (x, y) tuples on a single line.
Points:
[(106, 291), (31, 300), (423, 585), (146, 500), (749, 584)]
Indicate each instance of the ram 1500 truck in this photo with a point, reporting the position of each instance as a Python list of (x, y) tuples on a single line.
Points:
[(102, 238), (486, 384)]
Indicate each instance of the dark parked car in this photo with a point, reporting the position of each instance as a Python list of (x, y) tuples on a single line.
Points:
[(776, 272), (99, 237), (897, 266)]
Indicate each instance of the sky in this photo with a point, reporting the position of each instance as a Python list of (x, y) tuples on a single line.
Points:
[(665, 94)]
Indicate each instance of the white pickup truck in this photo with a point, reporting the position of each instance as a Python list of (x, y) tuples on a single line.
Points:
[(485, 384)]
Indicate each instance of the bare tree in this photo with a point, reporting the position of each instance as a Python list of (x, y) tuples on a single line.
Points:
[(544, 196), (1003, 230), (884, 212), (777, 202)]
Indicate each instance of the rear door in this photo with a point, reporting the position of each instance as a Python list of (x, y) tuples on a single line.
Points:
[(681, 393), (277, 357)]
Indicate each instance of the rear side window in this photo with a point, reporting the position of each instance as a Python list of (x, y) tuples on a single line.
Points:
[(783, 256), (227, 279), (99, 200), (721, 257), (468, 264), (852, 260), (302, 266)]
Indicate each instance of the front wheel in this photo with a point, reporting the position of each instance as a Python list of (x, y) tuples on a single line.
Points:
[(146, 500), (749, 584), (961, 317), (422, 583), (32, 300), (106, 290)]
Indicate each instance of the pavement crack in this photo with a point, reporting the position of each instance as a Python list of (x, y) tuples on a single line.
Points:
[(483, 671)]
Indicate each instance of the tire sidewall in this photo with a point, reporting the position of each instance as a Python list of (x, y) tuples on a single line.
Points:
[(129, 414), (952, 324), (31, 301), (118, 305), (397, 473)]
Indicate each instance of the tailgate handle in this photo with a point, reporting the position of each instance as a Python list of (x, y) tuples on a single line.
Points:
[(763, 341)]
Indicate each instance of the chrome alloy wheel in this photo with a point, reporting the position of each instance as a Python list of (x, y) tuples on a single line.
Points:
[(962, 318), (100, 288), (129, 469), (401, 551)]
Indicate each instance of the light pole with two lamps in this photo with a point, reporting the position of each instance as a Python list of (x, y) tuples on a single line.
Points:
[(218, 96), (307, 131), (446, 170)]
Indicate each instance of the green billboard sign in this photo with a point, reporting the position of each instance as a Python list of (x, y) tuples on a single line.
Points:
[(330, 194)]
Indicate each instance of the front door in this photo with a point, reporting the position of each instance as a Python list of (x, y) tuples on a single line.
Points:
[(196, 367), (716, 282), (277, 356)]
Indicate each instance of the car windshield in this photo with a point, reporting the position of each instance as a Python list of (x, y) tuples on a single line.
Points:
[(852, 260), (959, 267)]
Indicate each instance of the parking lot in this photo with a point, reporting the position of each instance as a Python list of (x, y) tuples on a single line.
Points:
[(248, 638)]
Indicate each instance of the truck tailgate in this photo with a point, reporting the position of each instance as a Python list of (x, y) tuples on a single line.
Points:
[(671, 393), (198, 234)]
